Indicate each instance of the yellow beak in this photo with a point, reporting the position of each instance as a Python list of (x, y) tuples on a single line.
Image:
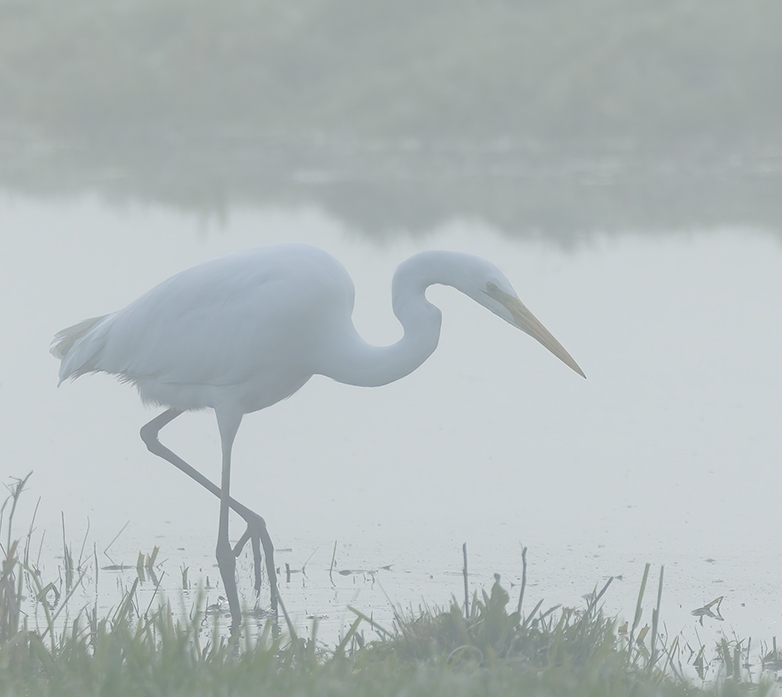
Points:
[(527, 322)]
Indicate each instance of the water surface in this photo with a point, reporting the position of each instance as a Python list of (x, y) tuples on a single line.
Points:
[(668, 453)]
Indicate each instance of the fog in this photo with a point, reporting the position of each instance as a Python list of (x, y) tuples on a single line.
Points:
[(555, 119), (621, 163)]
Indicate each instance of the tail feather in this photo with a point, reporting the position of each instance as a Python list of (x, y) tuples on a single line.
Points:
[(74, 362)]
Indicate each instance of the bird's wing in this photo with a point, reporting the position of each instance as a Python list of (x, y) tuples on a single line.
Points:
[(230, 319)]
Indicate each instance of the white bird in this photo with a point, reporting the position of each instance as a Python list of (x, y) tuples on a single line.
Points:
[(241, 332)]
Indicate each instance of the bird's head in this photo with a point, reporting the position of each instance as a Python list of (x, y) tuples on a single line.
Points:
[(488, 286)]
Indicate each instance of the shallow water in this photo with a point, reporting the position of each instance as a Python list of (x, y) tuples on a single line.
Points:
[(668, 453)]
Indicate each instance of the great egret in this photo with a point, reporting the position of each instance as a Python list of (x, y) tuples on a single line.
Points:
[(244, 331)]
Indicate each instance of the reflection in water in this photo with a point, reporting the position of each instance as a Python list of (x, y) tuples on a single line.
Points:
[(540, 119), (525, 190)]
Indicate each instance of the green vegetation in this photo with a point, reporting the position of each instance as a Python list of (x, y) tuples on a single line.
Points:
[(483, 650), (374, 69), (555, 118)]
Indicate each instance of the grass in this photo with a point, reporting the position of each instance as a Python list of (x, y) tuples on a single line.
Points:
[(476, 648)]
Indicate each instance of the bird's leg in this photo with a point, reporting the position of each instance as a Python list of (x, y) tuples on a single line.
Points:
[(226, 561), (256, 525)]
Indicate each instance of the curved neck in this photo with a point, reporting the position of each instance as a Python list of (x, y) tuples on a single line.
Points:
[(355, 362)]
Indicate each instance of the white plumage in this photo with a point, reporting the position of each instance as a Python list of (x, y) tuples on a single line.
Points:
[(244, 331)]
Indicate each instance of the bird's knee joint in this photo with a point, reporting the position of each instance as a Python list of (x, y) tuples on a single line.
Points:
[(254, 521), (149, 436)]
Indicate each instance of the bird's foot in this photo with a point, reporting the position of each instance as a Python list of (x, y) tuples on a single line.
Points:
[(256, 526), (258, 535)]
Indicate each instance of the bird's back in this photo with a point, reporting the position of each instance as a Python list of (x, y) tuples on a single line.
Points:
[(242, 327)]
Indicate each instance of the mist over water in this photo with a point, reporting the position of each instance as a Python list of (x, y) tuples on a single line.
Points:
[(142, 141), (542, 121)]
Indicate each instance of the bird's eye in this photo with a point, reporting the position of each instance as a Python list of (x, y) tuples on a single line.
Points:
[(491, 287)]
